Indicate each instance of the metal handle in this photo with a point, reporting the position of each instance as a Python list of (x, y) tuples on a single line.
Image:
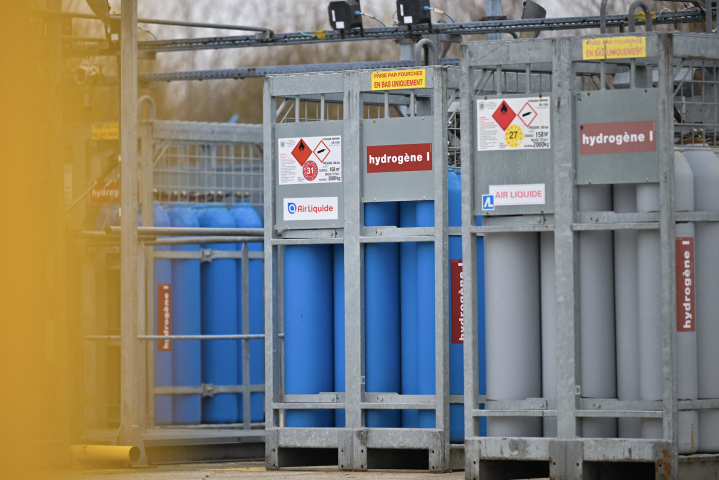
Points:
[(647, 14), (418, 50)]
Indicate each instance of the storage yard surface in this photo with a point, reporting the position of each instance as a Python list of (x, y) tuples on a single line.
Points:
[(243, 470)]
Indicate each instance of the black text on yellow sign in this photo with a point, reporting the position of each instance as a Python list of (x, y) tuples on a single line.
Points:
[(398, 79)]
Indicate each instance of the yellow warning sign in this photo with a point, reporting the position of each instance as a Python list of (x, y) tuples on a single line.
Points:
[(398, 79), (105, 131), (614, 47)]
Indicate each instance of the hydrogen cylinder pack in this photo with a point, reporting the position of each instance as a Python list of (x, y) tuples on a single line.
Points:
[(589, 161), (364, 290)]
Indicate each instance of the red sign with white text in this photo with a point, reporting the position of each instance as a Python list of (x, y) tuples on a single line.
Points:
[(686, 305), (457, 298), (620, 137), (399, 158), (164, 315)]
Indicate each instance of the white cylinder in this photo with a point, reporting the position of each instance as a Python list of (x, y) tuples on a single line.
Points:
[(596, 311), (514, 371), (705, 166), (650, 321), (625, 299), (549, 326)]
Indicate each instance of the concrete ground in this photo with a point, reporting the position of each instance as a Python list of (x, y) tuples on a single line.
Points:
[(241, 470)]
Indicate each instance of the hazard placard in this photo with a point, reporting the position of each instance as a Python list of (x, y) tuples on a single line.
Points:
[(306, 160), (519, 123)]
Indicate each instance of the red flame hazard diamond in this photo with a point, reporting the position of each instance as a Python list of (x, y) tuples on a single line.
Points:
[(504, 115), (301, 152)]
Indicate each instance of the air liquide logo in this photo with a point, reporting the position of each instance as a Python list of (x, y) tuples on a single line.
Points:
[(313, 208)]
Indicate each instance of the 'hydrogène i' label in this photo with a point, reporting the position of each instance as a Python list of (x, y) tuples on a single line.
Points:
[(399, 158), (686, 310), (619, 137)]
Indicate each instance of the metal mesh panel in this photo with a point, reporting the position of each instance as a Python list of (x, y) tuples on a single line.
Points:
[(197, 173), (696, 102)]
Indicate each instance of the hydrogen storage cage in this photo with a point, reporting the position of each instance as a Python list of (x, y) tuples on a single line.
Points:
[(181, 164), (351, 160), (592, 351)]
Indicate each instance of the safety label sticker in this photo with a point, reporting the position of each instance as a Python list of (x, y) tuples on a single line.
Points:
[(164, 315), (513, 123), (311, 208), (529, 194), (457, 305), (306, 160), (685, 285)]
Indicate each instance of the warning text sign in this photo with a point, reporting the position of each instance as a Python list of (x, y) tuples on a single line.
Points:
[(686, 316), (614, 47), (105, 131), (398, 79), (457, 298), (399, 158), (513, 123), (310, 160)]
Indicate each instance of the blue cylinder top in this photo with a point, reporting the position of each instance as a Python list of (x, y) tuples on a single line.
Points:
[(182, 217), (217, 216), (199, 209), (245, 216)]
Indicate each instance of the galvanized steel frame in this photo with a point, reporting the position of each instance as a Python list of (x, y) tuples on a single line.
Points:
[(568, 451), (354, 440), (154, 135)]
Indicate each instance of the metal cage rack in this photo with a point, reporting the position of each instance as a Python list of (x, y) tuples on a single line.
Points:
[(358, 112), (677, 71)]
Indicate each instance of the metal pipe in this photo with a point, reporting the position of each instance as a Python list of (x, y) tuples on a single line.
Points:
[(197, 232), (147, 98), (104, 453), (153, 21), (253, 336), (200, 240), (603, 17), (647, 15), (418, 50)]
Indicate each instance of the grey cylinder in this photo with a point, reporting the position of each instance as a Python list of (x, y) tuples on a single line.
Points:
[(596, 311), (650, 322), (512, 327), (549, 325), (705, 167), (625, 300)]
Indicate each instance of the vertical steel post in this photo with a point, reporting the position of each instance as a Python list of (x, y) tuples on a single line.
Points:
[(246, 412), (128, 238), (440, 462), (146, 147), (354, 258), (469, 249), (272, 373), (494, 9), (667, 233), (565, 239)]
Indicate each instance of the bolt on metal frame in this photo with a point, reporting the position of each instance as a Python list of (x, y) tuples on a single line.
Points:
[(667, 54), (352, 95)]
